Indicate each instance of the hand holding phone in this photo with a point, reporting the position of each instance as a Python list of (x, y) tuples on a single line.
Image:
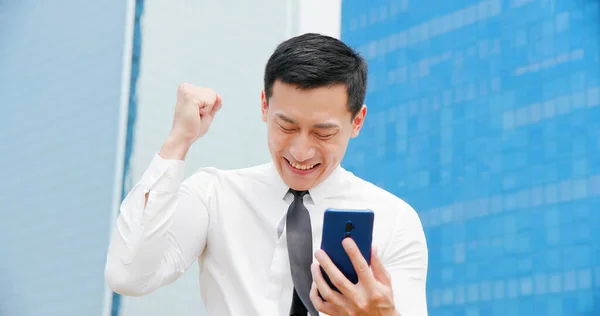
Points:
[(344, 223), (373, 295)]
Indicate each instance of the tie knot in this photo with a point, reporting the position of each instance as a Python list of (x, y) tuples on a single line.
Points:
[(298, 194)]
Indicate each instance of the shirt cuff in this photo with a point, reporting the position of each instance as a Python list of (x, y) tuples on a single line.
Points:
[(163, 175)]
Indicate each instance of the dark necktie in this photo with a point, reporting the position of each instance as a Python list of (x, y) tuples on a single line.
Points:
[(299, 242)]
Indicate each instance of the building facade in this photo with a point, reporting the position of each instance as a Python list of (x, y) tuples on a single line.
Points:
[(484, 117)]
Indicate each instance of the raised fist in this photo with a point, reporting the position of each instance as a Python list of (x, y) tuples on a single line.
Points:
[(195, 109)]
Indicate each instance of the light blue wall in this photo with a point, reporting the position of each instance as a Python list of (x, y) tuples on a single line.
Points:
[(484, 115), (60, 86)]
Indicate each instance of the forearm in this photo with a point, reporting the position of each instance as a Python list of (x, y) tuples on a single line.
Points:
[(155, 239), (136, 262)]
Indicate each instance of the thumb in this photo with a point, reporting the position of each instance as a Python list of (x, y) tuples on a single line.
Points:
[(217, 106), (211, 108), (208, 117)]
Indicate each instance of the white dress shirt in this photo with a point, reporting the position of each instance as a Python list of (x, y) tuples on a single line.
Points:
[(228, 221)]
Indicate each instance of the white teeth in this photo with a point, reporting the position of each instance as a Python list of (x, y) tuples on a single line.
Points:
[(301, 167)]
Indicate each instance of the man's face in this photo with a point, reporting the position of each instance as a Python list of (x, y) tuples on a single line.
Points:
[(308, 131)]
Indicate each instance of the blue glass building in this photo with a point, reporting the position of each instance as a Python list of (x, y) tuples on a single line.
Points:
[(483, 115)]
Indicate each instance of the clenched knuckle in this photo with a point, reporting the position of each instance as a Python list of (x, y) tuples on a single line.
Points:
[(184, 87), (186, 90), (207, 91)]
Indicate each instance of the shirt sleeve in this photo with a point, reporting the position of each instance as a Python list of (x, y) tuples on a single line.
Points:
[(154, 244), (406, 262)]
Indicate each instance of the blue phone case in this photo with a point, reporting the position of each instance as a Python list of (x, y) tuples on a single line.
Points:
[(339, 224)]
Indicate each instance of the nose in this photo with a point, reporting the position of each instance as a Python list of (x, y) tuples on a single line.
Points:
[(302, 149)]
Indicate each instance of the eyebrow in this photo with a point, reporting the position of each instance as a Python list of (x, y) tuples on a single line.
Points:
[(318, 125)]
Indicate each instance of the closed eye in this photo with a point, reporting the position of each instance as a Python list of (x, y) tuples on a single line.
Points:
[(287, 130), (327, 136)]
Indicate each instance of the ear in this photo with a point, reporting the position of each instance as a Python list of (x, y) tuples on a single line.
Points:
[(264, 105), (358, 120)]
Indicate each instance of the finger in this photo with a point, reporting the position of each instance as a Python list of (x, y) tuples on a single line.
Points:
[(210, 107), (203, 110), (205, 107), (379, 271), (217, 106), (319, 303), (359, 262), (337, 278), (330, 295)]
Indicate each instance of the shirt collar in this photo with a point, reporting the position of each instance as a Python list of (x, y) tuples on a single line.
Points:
[(317, 194)]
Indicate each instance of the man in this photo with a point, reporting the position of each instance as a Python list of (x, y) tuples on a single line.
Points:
[(236, 223)]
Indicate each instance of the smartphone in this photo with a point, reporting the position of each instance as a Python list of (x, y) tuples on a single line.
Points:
[(345, 223)]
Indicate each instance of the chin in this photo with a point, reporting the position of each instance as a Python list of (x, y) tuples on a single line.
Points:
[(300, 180)]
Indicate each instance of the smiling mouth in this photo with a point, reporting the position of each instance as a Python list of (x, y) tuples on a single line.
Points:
[(302, 167)]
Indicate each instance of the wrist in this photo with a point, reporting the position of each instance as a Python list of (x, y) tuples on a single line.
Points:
[(175, 148)]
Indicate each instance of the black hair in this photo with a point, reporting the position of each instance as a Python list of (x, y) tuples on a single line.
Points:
[(313, 60)]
